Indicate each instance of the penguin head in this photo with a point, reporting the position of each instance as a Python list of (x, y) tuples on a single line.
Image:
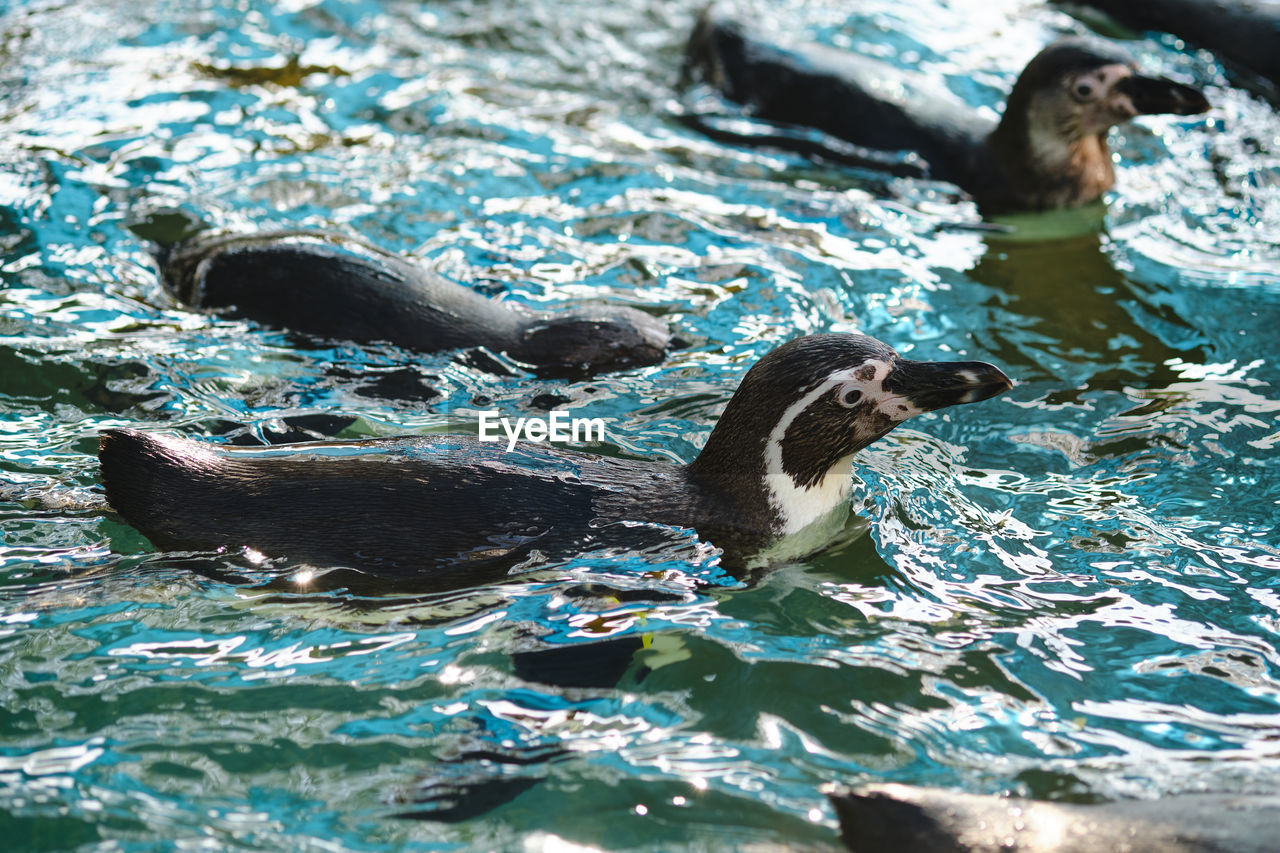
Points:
[(805, 408), (1078, 87), (594, 340)]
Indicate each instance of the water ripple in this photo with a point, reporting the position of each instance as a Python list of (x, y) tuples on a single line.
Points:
[(1069, 588)]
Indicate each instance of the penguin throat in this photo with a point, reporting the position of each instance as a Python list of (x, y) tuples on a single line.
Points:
[(800, 506), (1044, 155), (1064, 163), (1082, 156)]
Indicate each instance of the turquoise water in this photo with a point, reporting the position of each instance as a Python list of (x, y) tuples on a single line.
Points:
[(1069, 591)]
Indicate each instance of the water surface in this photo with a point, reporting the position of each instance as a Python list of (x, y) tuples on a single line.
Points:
[(1069, 591)]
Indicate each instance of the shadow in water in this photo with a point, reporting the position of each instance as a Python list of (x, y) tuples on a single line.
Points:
[(477, 781), (1063, 311)]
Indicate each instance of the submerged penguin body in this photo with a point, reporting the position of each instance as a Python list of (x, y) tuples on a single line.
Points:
[(334, 287), (852, 97), (907, 819), (387, 506), (1047, 151), (778, 461)]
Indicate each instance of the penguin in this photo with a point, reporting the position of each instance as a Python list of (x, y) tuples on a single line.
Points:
[(1048, 150), (906, 819), (777, 463), (1245, 32), (335, 287)]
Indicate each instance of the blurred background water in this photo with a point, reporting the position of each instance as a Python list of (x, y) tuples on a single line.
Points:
[(1069, 591)]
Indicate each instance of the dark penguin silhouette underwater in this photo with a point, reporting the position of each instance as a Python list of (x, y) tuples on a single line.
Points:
[(909, 819), (778, 460), (332, 286), (1048, 150)]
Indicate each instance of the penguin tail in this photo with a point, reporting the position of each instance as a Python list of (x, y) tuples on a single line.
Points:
[(157, 483)]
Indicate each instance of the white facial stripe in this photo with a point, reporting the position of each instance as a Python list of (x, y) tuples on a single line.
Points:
[(800, 506), (1122, 104), (1109, 106), (1117, 102), (1102, 80), (897, 408)]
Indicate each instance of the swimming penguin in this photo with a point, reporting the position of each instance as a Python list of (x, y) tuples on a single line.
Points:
[(778, 460), (1049, 149), (1245, 32), (331, 286), (906, 819)]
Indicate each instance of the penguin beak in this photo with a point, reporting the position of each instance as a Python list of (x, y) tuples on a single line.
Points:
[(930, 385), (1151, 95)]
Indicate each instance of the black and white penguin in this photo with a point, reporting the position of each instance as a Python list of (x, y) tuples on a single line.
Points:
[(1245, 32), (778, 461), (335, 287), (907, 819), (1049, 150)]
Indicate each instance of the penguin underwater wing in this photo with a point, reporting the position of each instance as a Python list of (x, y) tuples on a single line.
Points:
[(778, 460), (1047, 151)]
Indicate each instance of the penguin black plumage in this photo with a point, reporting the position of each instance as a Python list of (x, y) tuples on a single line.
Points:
[(1048, 150), (1245, 32), (336, 287)]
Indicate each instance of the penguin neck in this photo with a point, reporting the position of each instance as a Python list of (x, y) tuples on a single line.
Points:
[(742, 468), (1050, 162)]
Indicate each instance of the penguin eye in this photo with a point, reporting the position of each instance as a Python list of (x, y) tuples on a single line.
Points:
[(1083, 91), (849, 397)]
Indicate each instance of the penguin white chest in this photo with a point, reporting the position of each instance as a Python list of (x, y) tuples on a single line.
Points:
[(798, 507)]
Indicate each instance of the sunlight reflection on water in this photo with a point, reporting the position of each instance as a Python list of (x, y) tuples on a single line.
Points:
[(1068, 589)]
